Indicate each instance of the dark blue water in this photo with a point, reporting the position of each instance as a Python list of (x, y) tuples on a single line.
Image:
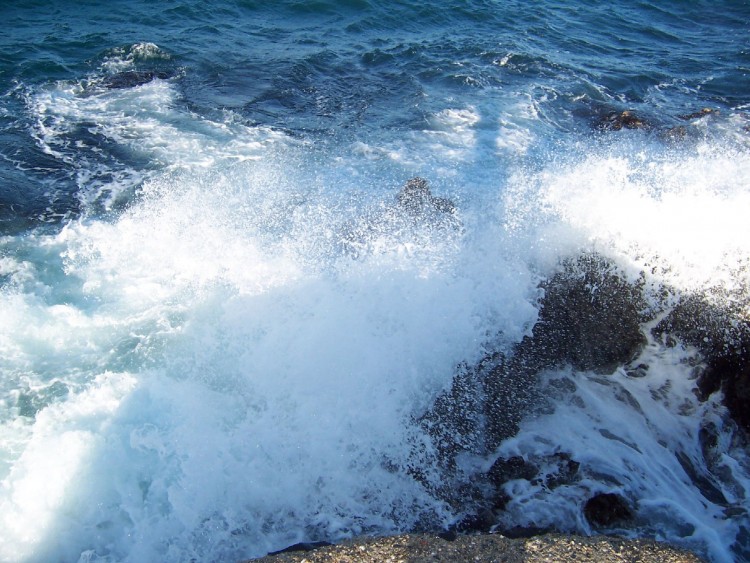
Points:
[(194, 362), (337, 72)]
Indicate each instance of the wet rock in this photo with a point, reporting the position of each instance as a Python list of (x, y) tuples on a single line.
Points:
[(701, 479), (590, 318), (509, 469), (565, 471), (455, 421), (698, 114), (416, 212), (133, 78), (731, 374), (509, 389), (606, 510), (674, 134), (722, 336), (615, 121), (416, 199), (302, 547)]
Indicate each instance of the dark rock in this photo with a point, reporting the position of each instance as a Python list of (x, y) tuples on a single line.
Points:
[(701, 480), (481, 522), (415, 198), (674, 134), (566, 471), (509, 390), (590, 318), (302, 546), (415, 208), (698, 114), (607, 509), (455, 421), (615, 121), (133, 78), (731, 374), (509, 469), (722, 337)]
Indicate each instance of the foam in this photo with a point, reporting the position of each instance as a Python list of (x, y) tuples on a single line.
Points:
[(630, 451), (268, 378), (144, 123), (680, 211)]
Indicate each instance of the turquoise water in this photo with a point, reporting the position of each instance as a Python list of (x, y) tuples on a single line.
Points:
[(215, 328)]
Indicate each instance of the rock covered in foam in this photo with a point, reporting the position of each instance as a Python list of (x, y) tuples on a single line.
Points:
[(721, 334), (591, 319)]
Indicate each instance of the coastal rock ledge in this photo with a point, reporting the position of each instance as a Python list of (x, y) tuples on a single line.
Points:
[(488, 548)]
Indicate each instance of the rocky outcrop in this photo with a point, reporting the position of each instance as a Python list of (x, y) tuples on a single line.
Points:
[(590, 318)]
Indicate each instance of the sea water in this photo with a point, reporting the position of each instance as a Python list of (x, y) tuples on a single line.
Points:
[(217, 327)]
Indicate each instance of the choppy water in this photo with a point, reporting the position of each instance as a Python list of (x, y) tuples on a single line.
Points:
[(216, 323)]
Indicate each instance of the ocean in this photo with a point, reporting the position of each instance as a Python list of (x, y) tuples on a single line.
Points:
[(222, 322)]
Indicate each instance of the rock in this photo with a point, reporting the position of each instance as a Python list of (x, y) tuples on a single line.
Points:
[(509, 469), (698, 114), (565, 471), (590, 318), (303, 546), (722, 335), (415, 198), (701, 479), (730, 372), (133, 78), (615, 121), (606, 510), (490, 548), (416, 212)]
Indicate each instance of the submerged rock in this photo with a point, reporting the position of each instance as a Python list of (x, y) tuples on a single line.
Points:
[(698, 114), (133, 78), (415, 214), (615, 121)]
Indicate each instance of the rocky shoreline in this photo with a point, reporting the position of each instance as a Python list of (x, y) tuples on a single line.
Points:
[(593, 319), (488, 548)]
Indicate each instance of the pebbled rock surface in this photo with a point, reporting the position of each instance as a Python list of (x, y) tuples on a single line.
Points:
[(489, 548)]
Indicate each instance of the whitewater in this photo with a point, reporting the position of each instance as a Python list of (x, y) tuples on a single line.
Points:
[(220, 327)]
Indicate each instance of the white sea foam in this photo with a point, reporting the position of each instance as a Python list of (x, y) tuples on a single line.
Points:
[(124, 58), (255, 384), (681, 212), (625, 432), (146, 122)]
